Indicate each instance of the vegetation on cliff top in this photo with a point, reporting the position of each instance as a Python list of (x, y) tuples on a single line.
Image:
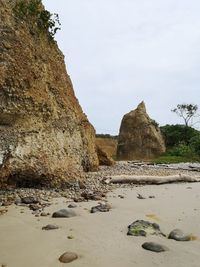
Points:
[(41, 20)]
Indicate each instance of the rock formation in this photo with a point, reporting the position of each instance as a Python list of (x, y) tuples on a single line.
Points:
[(45, 138), (139, 137), (104, 158)]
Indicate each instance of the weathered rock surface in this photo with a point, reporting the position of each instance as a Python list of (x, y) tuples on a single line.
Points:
[(101, 208), (64, 213), (144, 228), (45, 138), (68, 257), (104, 158), (155, 247), (139, 137), (178, 235)]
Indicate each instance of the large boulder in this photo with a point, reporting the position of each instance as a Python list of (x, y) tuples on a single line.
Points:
[(104, 158), (139, 136), (45, 138)]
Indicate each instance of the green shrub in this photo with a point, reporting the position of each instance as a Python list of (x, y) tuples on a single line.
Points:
[(176, 134), (181, 150), (33, 12), (195, 143)]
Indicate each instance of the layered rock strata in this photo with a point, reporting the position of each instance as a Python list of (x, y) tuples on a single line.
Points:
[(45, 138)]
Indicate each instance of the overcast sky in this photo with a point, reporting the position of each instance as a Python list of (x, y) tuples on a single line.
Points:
[(120, 52)]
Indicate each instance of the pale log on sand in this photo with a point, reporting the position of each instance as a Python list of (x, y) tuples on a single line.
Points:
[(133, 179)]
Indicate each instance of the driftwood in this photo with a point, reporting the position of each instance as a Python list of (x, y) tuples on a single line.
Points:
[(133, 179)]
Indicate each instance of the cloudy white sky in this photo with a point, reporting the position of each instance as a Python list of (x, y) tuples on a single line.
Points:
[(120, 52)]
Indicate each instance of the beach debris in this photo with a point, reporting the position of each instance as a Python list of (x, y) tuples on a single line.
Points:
[(121, 196), (140, 196), (68, 257), (144, 228), (178, 235), (101, 208), (155, 247), (153, 217), (149, 179), (72, 206), (64, 213), (50, 227)]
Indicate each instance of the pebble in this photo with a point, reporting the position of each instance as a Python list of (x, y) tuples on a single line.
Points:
[(44, 214), (178, 235), (64, 213), (155, 247), (68, 257), (29, 200), (72, 206), (50, 227), (100, 208)]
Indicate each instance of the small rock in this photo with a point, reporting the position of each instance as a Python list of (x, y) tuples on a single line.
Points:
[(18, 201), (50, 227), (29, 200), (70, 237), (72, 206), (68, 257), (120, 196), (151, 196), (64, 213), (44, 214), (101, 208), (155, 247), (34, 207), (143, 228), (82, 185), (178, 235), (79, 199), (140, 196)]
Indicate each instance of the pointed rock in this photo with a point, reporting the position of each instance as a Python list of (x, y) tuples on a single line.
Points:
[(139, 137)]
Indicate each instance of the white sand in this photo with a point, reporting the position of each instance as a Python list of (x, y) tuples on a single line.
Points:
[(100, 239)]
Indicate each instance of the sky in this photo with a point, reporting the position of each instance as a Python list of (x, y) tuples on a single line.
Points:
[(121, 52)]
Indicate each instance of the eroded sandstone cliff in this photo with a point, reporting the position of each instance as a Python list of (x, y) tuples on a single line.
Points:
[(45, 138), (139, 137)]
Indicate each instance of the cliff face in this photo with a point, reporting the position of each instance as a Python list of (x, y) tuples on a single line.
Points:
[(45, 138), (139, 137)]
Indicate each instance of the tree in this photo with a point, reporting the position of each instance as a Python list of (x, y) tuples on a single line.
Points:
[(177, 134), (186, 111)]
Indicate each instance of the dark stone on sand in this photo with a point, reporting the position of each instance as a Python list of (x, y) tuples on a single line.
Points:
[(72, 206), (143, 228), (68, 257), (29, 200), (64, 213), (155, 247), (178, 235), (101, 208), (44, 214), (140, 196), (50, 227), (34, 207)]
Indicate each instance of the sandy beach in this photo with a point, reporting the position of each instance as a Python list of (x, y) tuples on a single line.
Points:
[(100, 239)]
